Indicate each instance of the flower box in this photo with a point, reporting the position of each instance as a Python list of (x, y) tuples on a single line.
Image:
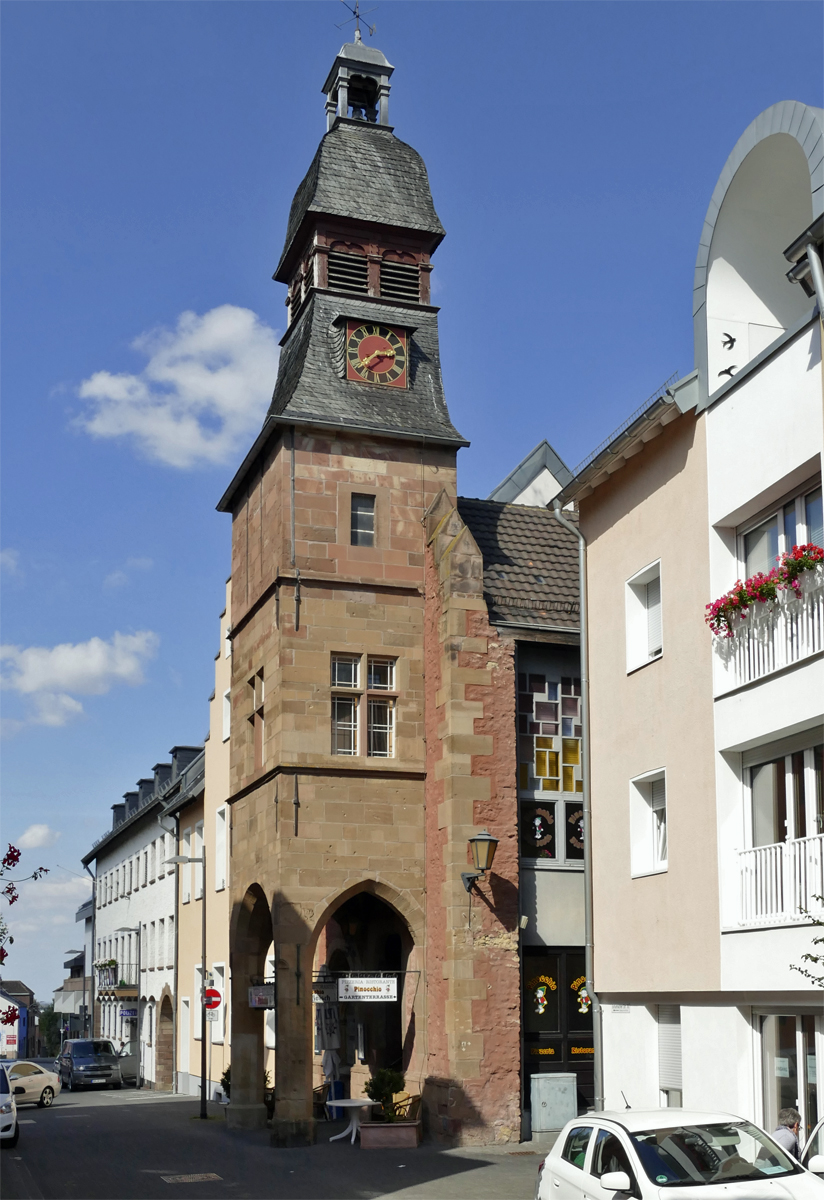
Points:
[(390, 1135)]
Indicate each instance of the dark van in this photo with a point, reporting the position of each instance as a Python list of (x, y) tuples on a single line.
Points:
[(89, 1063)]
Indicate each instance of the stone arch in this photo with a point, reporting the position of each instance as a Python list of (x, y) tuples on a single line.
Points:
[(410, 1051), (770, 190), (406, 908), (164, 1042), (250, 938)]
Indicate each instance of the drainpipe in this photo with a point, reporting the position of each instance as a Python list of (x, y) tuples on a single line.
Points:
[(91, 972), (597, 1030)]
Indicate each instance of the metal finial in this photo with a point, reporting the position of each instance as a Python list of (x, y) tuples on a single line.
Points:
[(356, 17)]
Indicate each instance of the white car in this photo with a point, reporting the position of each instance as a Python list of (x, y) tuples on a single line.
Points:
[(672, 1154), (32, 1084), (814, 1148), (9, 1129)]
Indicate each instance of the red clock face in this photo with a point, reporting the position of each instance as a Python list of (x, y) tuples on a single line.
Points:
[(376, 354)]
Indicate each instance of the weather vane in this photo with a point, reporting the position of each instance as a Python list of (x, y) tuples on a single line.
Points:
[(356, 17)]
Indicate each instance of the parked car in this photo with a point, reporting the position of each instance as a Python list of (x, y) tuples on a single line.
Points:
[(814, 1148), (85, 1063), (9, 1129), (698, 1155), (38, 1085)]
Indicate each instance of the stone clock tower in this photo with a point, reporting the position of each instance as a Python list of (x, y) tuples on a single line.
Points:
[(333, 697)]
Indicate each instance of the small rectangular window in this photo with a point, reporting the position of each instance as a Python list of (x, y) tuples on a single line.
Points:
[(363, 520), (344, 725), (185, 868), (381, 726), (227, 715), (645, 641), (345, 670), (381, 674), (648, 824), (197, 851), (220, 848)]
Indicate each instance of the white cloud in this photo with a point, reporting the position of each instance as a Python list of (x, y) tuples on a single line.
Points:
[(10, 561), (51, 678), (202, 394), (122, 575), (45, 903), (36, 837)]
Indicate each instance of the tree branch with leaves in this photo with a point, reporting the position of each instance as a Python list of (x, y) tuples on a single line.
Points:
[(10, 894)]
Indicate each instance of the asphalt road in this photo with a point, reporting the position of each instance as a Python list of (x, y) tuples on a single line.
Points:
[(100, 1145)]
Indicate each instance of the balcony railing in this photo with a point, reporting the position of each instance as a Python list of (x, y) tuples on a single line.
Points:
[(769, 639), (783, 882), (124, 975)]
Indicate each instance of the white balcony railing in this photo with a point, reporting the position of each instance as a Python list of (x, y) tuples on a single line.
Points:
[(769, 639), (783, 882)]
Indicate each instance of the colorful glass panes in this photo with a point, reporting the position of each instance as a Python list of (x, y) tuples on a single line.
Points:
[(547, 709)]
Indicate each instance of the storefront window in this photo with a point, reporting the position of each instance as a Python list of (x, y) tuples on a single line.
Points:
[(789, 1068)]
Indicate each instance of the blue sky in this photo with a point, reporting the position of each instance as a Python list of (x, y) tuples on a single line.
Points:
[(150, 154)]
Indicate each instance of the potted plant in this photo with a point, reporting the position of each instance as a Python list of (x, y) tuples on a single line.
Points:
[(400, 1127)]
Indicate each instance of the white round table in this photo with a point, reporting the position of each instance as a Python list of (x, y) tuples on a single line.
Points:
[(354, 1121)]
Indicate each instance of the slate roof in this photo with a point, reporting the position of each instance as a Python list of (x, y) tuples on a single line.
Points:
[(530, 564), (364, 172), (311, 388)]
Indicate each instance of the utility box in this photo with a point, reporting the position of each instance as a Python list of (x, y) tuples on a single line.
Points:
[(554, 1101)]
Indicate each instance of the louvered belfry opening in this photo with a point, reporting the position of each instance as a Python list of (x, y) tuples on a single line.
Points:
[(400, 281), (348, 272)]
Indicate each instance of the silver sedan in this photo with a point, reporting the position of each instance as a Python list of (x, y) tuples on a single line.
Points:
[(38, 1085)]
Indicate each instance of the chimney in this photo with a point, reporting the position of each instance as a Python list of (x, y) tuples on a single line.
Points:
[(181, 757), (118, 814), (145, 790), (130, 799), (162, 775)]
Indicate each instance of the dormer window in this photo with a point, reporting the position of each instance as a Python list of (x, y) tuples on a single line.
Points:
[(349, 272), (401, 281)]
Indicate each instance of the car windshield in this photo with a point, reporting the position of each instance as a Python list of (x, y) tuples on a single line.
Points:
[(690, 1155), (89, 1049)]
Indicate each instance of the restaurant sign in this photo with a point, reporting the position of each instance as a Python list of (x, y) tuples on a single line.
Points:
[(363, 987)]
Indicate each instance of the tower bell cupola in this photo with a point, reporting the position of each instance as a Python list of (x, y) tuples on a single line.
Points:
[(357, 87)]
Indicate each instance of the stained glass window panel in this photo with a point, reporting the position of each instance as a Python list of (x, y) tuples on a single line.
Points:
[(523, 776), (540, 764), (569, 707), (567, 726), (537, 683), (550, 785), (543, 743), (550, 729), (572, 751), (545, 711), (569, 779)]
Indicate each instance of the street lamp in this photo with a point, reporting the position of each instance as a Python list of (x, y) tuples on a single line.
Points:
[(178, 859), (83, 952), (483, 847), (136, 929)]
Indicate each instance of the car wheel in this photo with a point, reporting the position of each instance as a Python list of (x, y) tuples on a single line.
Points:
[(116, 1087), (12, 1141), (46, 1098), (70, 1084)]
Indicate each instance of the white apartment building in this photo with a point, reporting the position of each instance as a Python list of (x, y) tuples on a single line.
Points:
[(706, 750), (135, 919)]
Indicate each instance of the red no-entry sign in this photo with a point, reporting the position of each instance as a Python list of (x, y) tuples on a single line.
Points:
[(211, 998)]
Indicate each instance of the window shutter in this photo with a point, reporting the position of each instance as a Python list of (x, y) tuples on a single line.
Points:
[(654, 616), (220, 849), (669, 1046)]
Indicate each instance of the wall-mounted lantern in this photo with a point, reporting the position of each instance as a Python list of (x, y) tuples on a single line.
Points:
[(483, 847)]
